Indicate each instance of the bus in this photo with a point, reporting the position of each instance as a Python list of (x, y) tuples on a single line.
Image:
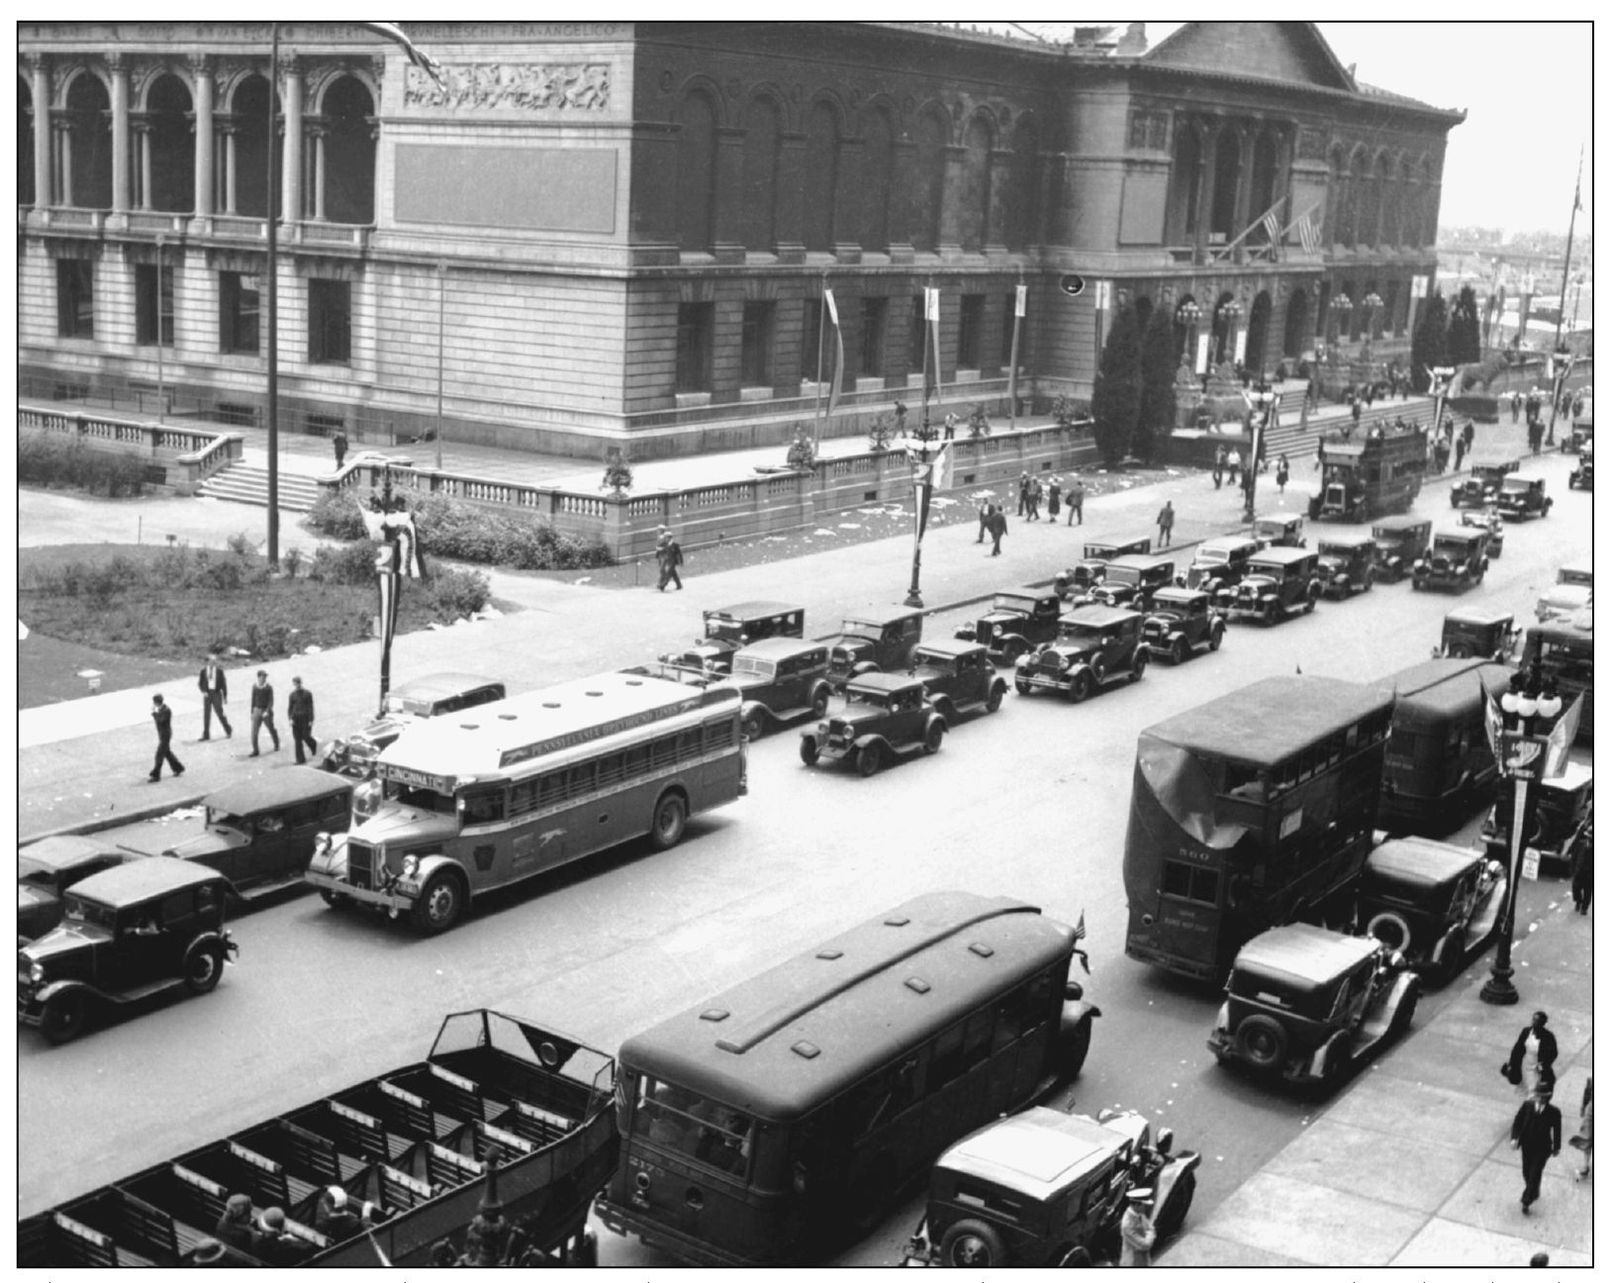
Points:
[(1438, 767), (762, 1126), (467, 803), (1567, 656), (1248, 812)]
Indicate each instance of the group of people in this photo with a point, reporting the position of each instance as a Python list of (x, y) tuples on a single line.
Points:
[(268, 1237), (1032, 493), (215, 688), (1446, 442), (1537, 1128)]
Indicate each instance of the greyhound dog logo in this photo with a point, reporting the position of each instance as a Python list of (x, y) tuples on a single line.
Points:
[(1524, 752), (549, 835)]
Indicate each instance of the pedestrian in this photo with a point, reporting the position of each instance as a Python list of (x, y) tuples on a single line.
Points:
[(1537, 1131), (1517, 403), (338, 443), (1319, 449), (300, 713), (669, 556), (1581, 1140), (1533, 1055), (1218, 469), (1355, 410), (263, 711), (950, 427), (1234, 465), (163, 716), (273, 1245), (1166, 519), (1076, 497), (1467, 435), (1024, 493), (1034, 502), (997, 524), (1282, 472), (215, 689), (1580, 869), (1540, 1260), (235, 1225), (1137, 1228), (1442, 454), (1461, 449), (1053, 499), (983, 513), (338, 1216)]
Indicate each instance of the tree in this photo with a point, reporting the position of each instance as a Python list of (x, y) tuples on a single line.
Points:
[(1156, 401), (1115, 392), (1428, 343), (1462, 340)]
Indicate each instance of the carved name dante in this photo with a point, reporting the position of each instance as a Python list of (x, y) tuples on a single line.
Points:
[(576, 86)]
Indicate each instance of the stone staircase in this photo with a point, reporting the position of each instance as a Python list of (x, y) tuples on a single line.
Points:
[(1287, 437), (249, 483)]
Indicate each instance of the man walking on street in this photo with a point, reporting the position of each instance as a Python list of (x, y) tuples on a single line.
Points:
[(984, 513), (163, 716), (1166, 519), (1517, 403), (338, 443), (263, 711), (215, 690), (669, 556), (300, 713), (1024, 494), (1538, 1132), (997, 523), (1076, 497)]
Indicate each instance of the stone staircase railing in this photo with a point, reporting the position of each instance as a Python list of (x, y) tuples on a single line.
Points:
[(187, 456)]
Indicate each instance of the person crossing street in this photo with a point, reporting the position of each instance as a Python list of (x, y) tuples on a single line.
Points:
[(263, 711), (163, 716)]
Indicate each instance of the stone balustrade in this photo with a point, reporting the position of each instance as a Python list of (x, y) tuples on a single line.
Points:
[(189, 455)]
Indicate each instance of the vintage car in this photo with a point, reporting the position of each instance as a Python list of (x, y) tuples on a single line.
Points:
[(1281, 582), (1488, 519), (1523, 497), (1046, 1188), (48, 867), (1131, 581), (1347, 564), (1287, 531), (1581, 477), (1576, 572), (127, 934), (781, 680), (1483, 482), (1562, 817), (1097, 646), (260, 833), (1456, 560), (729, 627), (1019, 619), (1089, 570), (886, 717), (406, 703), (1220, 563), (1478, 631), (958, 677), (1182, 622), (1563, 602), (1433, 903), (879, 639), (1401, 540), (1303, 1003)]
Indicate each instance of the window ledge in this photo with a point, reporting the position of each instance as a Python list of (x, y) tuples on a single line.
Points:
[(757, 393), (691, 400), (966, 376), (872, 383)]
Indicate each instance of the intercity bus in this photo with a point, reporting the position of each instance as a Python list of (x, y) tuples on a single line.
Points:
[(502, 792), (1251, 811), (764, 1125)]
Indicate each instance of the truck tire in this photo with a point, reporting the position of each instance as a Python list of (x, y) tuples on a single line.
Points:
[(1216, 634), (1077, 1258), (64, 1017), (809, 750), (870, 757), (1392, 929), (204, 967), (820, 702), (1139, 661), (441, 903), (1262, 1042), (1022, 686), (669, 820), (972, 1244)]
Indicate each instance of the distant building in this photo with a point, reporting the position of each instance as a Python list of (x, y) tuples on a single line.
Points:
[(629, 226)]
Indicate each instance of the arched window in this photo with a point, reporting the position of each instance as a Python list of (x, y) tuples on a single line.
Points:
[(89, 115), (349, 152), (25, 146), (697, 168), (758, 175), (173, 147), (250, 109), (1222, 329), (822, 157), (1224, 197), (1025, 187), (1382, 202), (1263, 188), (879, 161), (1428, 210), (974, 191), (1186, 162), (929, 175)]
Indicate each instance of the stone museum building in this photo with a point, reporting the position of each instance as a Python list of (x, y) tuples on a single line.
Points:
[(586, 234)]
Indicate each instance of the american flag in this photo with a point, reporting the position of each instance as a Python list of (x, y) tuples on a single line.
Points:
[(416, 55), (1561, 738), (1310, 235), (1274, 226), (1081, 934)]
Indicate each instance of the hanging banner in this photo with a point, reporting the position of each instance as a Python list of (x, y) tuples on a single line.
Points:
[(1239, 344), (840, 351), (1020, 291), (932, 317), (1419, 287), (1202, 361)]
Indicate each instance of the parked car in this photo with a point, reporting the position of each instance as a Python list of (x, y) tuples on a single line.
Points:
[(1401, 541), (887, 716), (1019, 619), (1286, 531), (1347, 564), (1456, 560), (880, 639), (1281, 582), (1220, 563), (1478, 631), (406, 704), (727, 628), (1562, 602), (1097, 646), (1483, 482), (1095, 556), (1046, 1188), (127, 934), (1433, 903), (1576, 572), (48, 867), (1132, 581), (1182, 622), (1523, 497), (958, 677), (781, 680), (1487, 519), (260, 833), (1562, 817), (1581, 477), (1303, 1003)]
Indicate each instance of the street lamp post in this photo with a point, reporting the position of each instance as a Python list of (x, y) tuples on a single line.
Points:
[(1340, 306), (1229, 314), (1372, 303), (923, 481), (161, 244), (442, 285), (1265, 399), (1528, 709), (1188, 313)]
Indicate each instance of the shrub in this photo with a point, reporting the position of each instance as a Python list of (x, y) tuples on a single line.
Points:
[(352, 564), (453, 593), (337, 514), (291, 559), (45, 459), (241, 544)]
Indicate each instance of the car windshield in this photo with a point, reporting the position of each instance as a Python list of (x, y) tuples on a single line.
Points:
[(1013, 601), (1517, 485), (409, 706), (35, 873), (1123, 575), (91, 913), (1213, 557), (751, 666), (873, 698), (424, 798), (228, 820), (1447, 545), (1073, 632), (862, 628)]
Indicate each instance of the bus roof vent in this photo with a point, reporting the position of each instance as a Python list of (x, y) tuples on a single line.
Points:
[(830, 955), (549, 703), (805, 1050), (981, 950), (506, 717), (714, 1014), (595, 694), (918, 985), (897, 920), (633, 681)]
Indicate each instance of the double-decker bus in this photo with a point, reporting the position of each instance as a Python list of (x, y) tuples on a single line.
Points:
[(1253, 810), (761, 1126), (507, 790)]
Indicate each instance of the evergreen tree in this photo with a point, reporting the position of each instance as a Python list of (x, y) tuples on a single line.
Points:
[(1114, 393), (1428, 343), (1156, 401), (1462, 341)]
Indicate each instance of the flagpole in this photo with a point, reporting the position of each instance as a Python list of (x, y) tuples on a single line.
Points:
[(817, 385), (1013, 356), (273, 217), (1562, 298)]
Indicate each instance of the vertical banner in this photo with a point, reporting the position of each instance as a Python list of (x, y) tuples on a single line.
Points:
[(387, 583), (1240, 345), (840, 351), (924, 474), (1202, 360), (932, 325), (1013, 356)]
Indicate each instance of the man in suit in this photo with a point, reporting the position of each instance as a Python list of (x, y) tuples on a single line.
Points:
[(163, 716), (263, 711), (1537, 1131), (215, 689), (300, 713)]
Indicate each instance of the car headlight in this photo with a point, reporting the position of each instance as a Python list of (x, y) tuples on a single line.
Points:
[(996, 630), (36, 973), (411, 865)]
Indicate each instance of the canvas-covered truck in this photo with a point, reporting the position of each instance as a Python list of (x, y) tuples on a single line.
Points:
[(1364, 477)]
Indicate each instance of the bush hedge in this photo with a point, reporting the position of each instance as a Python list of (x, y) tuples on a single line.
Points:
[(44, 459)]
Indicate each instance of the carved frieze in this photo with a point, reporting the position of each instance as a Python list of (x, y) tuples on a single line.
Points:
[(576, 86), (1312, 144)]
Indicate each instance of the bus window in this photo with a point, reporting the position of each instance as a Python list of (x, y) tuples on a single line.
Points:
[(636, 761), (610, 770), (580, 780), (524, 796), (664, 752), (1188, 882), (484, 808), (425, 799), (1038, 997), (946, 1059), (977, 1039), (876, 1101), (719, 734), (688, 745), (697, 1128), (552, 789)]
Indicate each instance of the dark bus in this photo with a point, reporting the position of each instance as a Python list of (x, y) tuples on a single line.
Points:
[(1248, 812), (1567, 657), (1438, 767), (764, 1125)]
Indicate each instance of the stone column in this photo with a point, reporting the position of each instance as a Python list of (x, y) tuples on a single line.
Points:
[(850, 200), (1201, 227), (142, 137), (995, 238), (727, 235), (951, 236), (1241, 213), (64, 159), (42, 133), (787, 208), (291, 158), (904, 159), (119, 67), (317, 133), (202, 70)]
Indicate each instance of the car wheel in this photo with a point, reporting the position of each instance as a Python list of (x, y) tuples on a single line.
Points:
[(1216, 634), (64, 1018), (1262, 1042), (1169, 1218), (671, 818), (1080, 686), (204, 967), (1013, 648), (809, 750), (439, 905), (933, 734), (1268, 616), (1139, 661), (1401, 1021), (1179, 651), (1077, 1258), (1022, 686), (820, 703), (994, 697), (1099, 668), (971, 1244), (750, 724), (869, 759), (335, 899)]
